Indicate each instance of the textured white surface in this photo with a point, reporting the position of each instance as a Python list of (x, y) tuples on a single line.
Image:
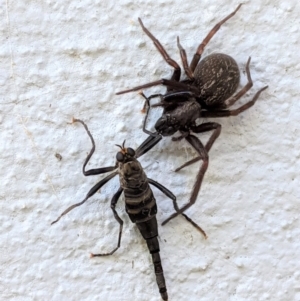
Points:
[(59, 60)]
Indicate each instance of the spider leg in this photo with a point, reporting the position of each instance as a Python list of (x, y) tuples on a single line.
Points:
[(177, 97), (175, 85), (231, 100), (169, 99), (184, 60), (198, 146), (204, 127), (202, 45), (119, 220), (217, 127), (146, 108), (226, 113), (170, 195), (163, 52)]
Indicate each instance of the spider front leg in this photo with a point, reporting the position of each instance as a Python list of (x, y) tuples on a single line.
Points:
[(168, 100), (113, 204), (147, 107)]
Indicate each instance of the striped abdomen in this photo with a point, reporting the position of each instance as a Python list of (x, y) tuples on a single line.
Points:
[(139, 199), (141, 208)]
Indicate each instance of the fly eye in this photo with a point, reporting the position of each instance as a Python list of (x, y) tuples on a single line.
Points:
[(120, 157), (130, 152)]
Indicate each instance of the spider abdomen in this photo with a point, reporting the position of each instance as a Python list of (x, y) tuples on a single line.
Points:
[(217, 76)]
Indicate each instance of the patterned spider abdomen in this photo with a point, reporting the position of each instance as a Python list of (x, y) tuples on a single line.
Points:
[(217, 76)]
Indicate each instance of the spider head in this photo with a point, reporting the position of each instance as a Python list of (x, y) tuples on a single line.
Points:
[(166, 125)]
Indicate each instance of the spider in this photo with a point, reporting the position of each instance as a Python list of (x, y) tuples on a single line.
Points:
[(207, 91)]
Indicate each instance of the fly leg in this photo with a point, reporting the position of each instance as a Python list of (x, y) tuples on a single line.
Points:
[(119, 220)]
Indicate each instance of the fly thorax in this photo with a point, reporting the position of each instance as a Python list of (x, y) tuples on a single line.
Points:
[(132, 175)]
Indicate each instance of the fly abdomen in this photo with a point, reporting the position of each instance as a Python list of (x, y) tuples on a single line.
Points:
[(140, 206), (149, 231), (159, 273)]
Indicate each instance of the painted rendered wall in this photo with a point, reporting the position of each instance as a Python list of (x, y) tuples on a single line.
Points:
[(68, 58)]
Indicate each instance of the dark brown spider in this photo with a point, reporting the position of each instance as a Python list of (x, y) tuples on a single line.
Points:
[(208, 91)]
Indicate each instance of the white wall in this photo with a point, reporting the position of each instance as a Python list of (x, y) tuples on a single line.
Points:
[(68, 59)]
